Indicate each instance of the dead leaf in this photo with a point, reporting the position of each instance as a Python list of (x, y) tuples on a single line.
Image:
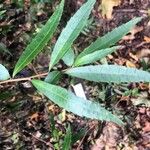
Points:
[(147, 127), (144, 86), (131, 1), (109, 138), (142, 99), (107, 7), (143, 53), (147, 39), (133, 56), (34, 116), (130, 64), (134, 31)]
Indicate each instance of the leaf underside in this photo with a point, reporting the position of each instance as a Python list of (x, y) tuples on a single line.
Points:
[(4, 74), (74, 104), (109, 73)]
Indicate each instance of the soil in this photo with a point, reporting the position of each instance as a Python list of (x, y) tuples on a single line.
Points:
[(29, 121)]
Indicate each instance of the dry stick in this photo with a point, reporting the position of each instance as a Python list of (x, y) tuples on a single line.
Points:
[(24, 79), (131, 11), (78, 148), (46, 143)]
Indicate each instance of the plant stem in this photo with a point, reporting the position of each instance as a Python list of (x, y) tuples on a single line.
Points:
[(24, 79)]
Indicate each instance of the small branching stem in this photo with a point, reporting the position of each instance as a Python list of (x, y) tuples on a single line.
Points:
[(24, 79)]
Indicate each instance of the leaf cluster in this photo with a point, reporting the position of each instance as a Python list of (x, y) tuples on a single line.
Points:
[(78, 65)]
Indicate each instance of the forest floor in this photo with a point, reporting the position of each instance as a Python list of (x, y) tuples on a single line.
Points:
[(29, 121)]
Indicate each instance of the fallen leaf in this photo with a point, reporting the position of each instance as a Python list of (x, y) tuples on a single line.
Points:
[(107, 7), (144, 86), (147, 39), (63, 115), (147, 127), (142, 99), (130, 64), (38, 134), (34, 116), (134, 31), (142, 110), (131, 1), (109, 138), (133, 56), (143, 53)]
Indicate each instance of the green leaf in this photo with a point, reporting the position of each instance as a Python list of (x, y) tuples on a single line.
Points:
[(74, 104), (74, 26), (4, 74), (109, 73), (69, 57), (67, 139), (77, 136), (97, 55), (40, 41), (110, 38), (2, 12), (5, 95), (53, 77)]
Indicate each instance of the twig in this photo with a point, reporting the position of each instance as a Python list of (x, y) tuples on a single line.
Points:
[(78, 148), (39, 139), (131, 11), (24, 79)]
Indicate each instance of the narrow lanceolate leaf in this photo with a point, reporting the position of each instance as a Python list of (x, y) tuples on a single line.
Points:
[(2, 12), (74, 104), (4, 74), (40, 40), (67, 140), (79, 135), (109, 73), (97, 55), (110, 38), (71, 32), (69, 57), (53, 77)]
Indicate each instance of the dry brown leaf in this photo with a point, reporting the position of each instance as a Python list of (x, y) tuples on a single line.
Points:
[(134, 31), (143, 53), (133, 56), (131, 1), (144, 86), (107, 7), (34, 116), (147, 127), (147, 39), (109, 138), (130, 64)]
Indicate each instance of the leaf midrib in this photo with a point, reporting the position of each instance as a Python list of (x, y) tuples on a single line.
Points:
[(40, 43), (59, 53), (86, 50), (103, 73), (100, 53)]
